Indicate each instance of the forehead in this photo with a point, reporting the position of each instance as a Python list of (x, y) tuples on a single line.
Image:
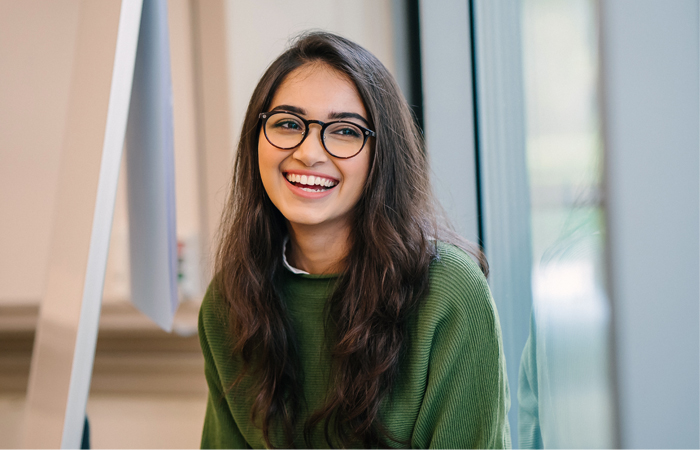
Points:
[(319, 89)]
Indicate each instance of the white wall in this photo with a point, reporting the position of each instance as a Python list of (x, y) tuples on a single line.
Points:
[(651, 102)]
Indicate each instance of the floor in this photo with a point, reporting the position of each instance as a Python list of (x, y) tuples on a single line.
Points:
[(123, 421)]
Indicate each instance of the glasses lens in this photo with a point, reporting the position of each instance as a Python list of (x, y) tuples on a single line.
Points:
[(344, 139), (284, 130)]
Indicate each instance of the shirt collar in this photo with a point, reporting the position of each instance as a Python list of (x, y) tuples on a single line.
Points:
[(286, 263)]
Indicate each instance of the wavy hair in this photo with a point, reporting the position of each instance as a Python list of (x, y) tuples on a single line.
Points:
[(394, 230)]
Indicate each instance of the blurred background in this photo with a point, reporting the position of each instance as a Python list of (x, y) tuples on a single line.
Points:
[(563, 138)]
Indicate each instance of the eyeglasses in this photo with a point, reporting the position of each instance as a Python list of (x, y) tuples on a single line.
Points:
[(341, 139)]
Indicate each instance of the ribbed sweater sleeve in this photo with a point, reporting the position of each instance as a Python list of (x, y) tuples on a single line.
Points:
[(220, 429), (466, 397)]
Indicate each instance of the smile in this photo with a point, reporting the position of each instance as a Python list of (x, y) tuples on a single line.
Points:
[(311, 183)]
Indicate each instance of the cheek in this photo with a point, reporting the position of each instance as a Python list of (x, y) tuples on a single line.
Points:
[(268, 161), (358, 172), (363, 168), (267, 169)]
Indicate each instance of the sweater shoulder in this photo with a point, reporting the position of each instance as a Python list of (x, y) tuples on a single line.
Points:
[(213, 322), (456, 275), (213, 302), (458, 289), (455, 262)]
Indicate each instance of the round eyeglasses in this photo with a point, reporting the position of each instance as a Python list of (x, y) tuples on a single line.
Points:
[(341, 138)]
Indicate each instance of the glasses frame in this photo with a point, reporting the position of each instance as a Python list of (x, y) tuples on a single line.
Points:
[(366, 132)]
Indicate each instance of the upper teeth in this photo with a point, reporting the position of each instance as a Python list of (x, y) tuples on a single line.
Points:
[(310, 180)]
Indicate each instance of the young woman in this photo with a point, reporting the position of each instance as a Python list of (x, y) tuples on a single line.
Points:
[(341, 313)]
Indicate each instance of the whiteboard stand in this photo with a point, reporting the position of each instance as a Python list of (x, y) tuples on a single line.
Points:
[(64, 346)]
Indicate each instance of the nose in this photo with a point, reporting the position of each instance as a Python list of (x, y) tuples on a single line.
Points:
[(311, 151)]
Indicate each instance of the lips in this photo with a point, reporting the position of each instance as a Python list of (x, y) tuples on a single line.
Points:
[(311, 183)]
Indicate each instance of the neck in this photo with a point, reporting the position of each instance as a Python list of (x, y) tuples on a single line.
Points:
[(317, 251)]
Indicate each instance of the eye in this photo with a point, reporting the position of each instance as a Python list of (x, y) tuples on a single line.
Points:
[(285, 124), (288, 124), (349, 132), (345, 130)]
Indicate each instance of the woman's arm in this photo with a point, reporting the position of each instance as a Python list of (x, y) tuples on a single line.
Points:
[(466, 399), (220, 429)]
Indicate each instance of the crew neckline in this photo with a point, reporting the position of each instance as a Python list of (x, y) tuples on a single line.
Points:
[(300, 272)]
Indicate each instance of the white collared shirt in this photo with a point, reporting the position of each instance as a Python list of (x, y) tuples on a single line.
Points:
[(286, 263)]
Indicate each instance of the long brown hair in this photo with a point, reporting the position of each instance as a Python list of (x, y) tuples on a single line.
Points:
[(395, 228)]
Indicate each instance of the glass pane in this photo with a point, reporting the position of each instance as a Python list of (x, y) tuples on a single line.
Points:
[(567, 357)]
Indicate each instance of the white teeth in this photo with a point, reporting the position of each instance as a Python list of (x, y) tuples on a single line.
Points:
[(310, 180)]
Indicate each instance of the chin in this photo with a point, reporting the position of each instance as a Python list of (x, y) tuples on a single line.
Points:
[(311, 219), (304, 220)]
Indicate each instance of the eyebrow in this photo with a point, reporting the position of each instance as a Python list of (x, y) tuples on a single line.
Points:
[(347, 115), (332, 115)]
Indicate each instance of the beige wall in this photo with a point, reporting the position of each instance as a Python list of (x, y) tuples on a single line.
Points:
[(37, 46), (258, 31)]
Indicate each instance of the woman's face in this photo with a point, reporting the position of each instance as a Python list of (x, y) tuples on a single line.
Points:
[(315, 92)]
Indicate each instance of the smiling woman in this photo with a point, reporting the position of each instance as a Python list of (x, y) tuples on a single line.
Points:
[(344, 311)]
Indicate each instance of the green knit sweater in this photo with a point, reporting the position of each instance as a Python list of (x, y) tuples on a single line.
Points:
[(453, 391)]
